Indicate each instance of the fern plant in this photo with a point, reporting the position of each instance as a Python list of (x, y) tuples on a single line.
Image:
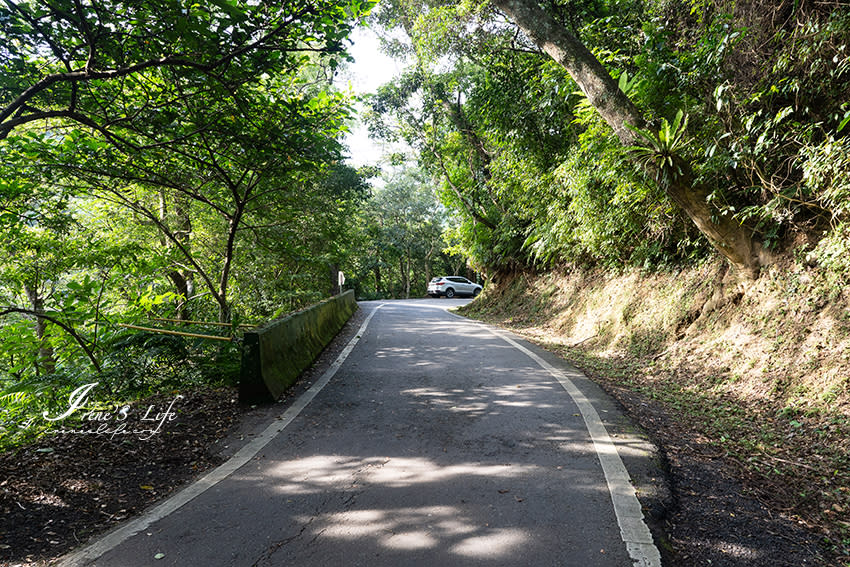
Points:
[(662, 153)]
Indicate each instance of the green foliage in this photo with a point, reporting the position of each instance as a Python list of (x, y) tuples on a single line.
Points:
[(65, 61), (832, 254), (532, 173), (825, 168), (662, 153), (135, 365), (401, 239), (142, 363), (158, 160)]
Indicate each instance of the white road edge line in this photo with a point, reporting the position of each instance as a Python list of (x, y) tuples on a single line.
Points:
[(245, 454), (633, 530)]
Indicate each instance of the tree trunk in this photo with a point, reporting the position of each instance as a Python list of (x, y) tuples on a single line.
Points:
[(428, 264), (407, 277), (333, 273), (377, 269), (183, 280), (734, 241), (224, 312), (46, 360), (181, 285), (190, 289), (402, 274), (479, 160)]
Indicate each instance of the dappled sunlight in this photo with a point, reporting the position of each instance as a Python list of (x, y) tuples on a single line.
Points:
[(438, 304), (406, 522), (427, 354), (496, 543), (401, 472), (735, 552), (314, 474), (396, 351), (484, 399), (465, 452), (567, 438), (318, 473), (458, 328), (451, 400), (423, 513), (417, 539), (431, 393), (427, 527)]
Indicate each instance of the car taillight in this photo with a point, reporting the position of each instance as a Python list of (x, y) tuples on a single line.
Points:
[(440, 283)]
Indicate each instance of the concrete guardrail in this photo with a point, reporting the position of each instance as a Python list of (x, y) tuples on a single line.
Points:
[(275, 354)]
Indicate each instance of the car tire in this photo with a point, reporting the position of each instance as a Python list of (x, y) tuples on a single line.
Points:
[(450, 293), (476, 292)]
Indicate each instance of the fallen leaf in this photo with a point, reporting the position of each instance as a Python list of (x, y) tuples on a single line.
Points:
[(159, 556), (146, 487)]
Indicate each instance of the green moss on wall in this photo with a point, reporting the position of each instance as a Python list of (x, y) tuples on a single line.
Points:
[(274, 355)]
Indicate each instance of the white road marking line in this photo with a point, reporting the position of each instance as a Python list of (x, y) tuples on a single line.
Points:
[(633, 530), (115, 538)]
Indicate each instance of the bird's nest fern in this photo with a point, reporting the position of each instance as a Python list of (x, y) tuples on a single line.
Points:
[(661, 154)]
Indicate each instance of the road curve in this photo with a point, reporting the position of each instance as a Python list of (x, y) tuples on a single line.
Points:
[(438, 441)]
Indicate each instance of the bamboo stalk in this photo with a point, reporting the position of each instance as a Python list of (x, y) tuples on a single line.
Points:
[(167, 332), (244, 325)]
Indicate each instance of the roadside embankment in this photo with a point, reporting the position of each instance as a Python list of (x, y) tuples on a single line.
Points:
[(757, 375)]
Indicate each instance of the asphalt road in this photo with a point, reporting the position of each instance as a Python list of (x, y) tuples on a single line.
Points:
[(437, 442)]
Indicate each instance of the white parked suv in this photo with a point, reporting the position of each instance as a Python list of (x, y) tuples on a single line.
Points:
[(451, 286)]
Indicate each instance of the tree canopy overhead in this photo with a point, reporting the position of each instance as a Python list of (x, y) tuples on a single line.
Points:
[(79, 61)]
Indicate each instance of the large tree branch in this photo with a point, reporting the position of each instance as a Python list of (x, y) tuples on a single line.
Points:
[(734, 241), (592, 78), (168, 233), (468, 206), (479, 158), (144, 176), (67, 328), (176, 60), (84, 75)]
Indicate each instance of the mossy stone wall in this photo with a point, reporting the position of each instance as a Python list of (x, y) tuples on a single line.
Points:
[(275, 354)]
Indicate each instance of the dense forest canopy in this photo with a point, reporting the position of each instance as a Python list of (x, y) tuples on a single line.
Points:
[(628, 132), (186, 161)]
